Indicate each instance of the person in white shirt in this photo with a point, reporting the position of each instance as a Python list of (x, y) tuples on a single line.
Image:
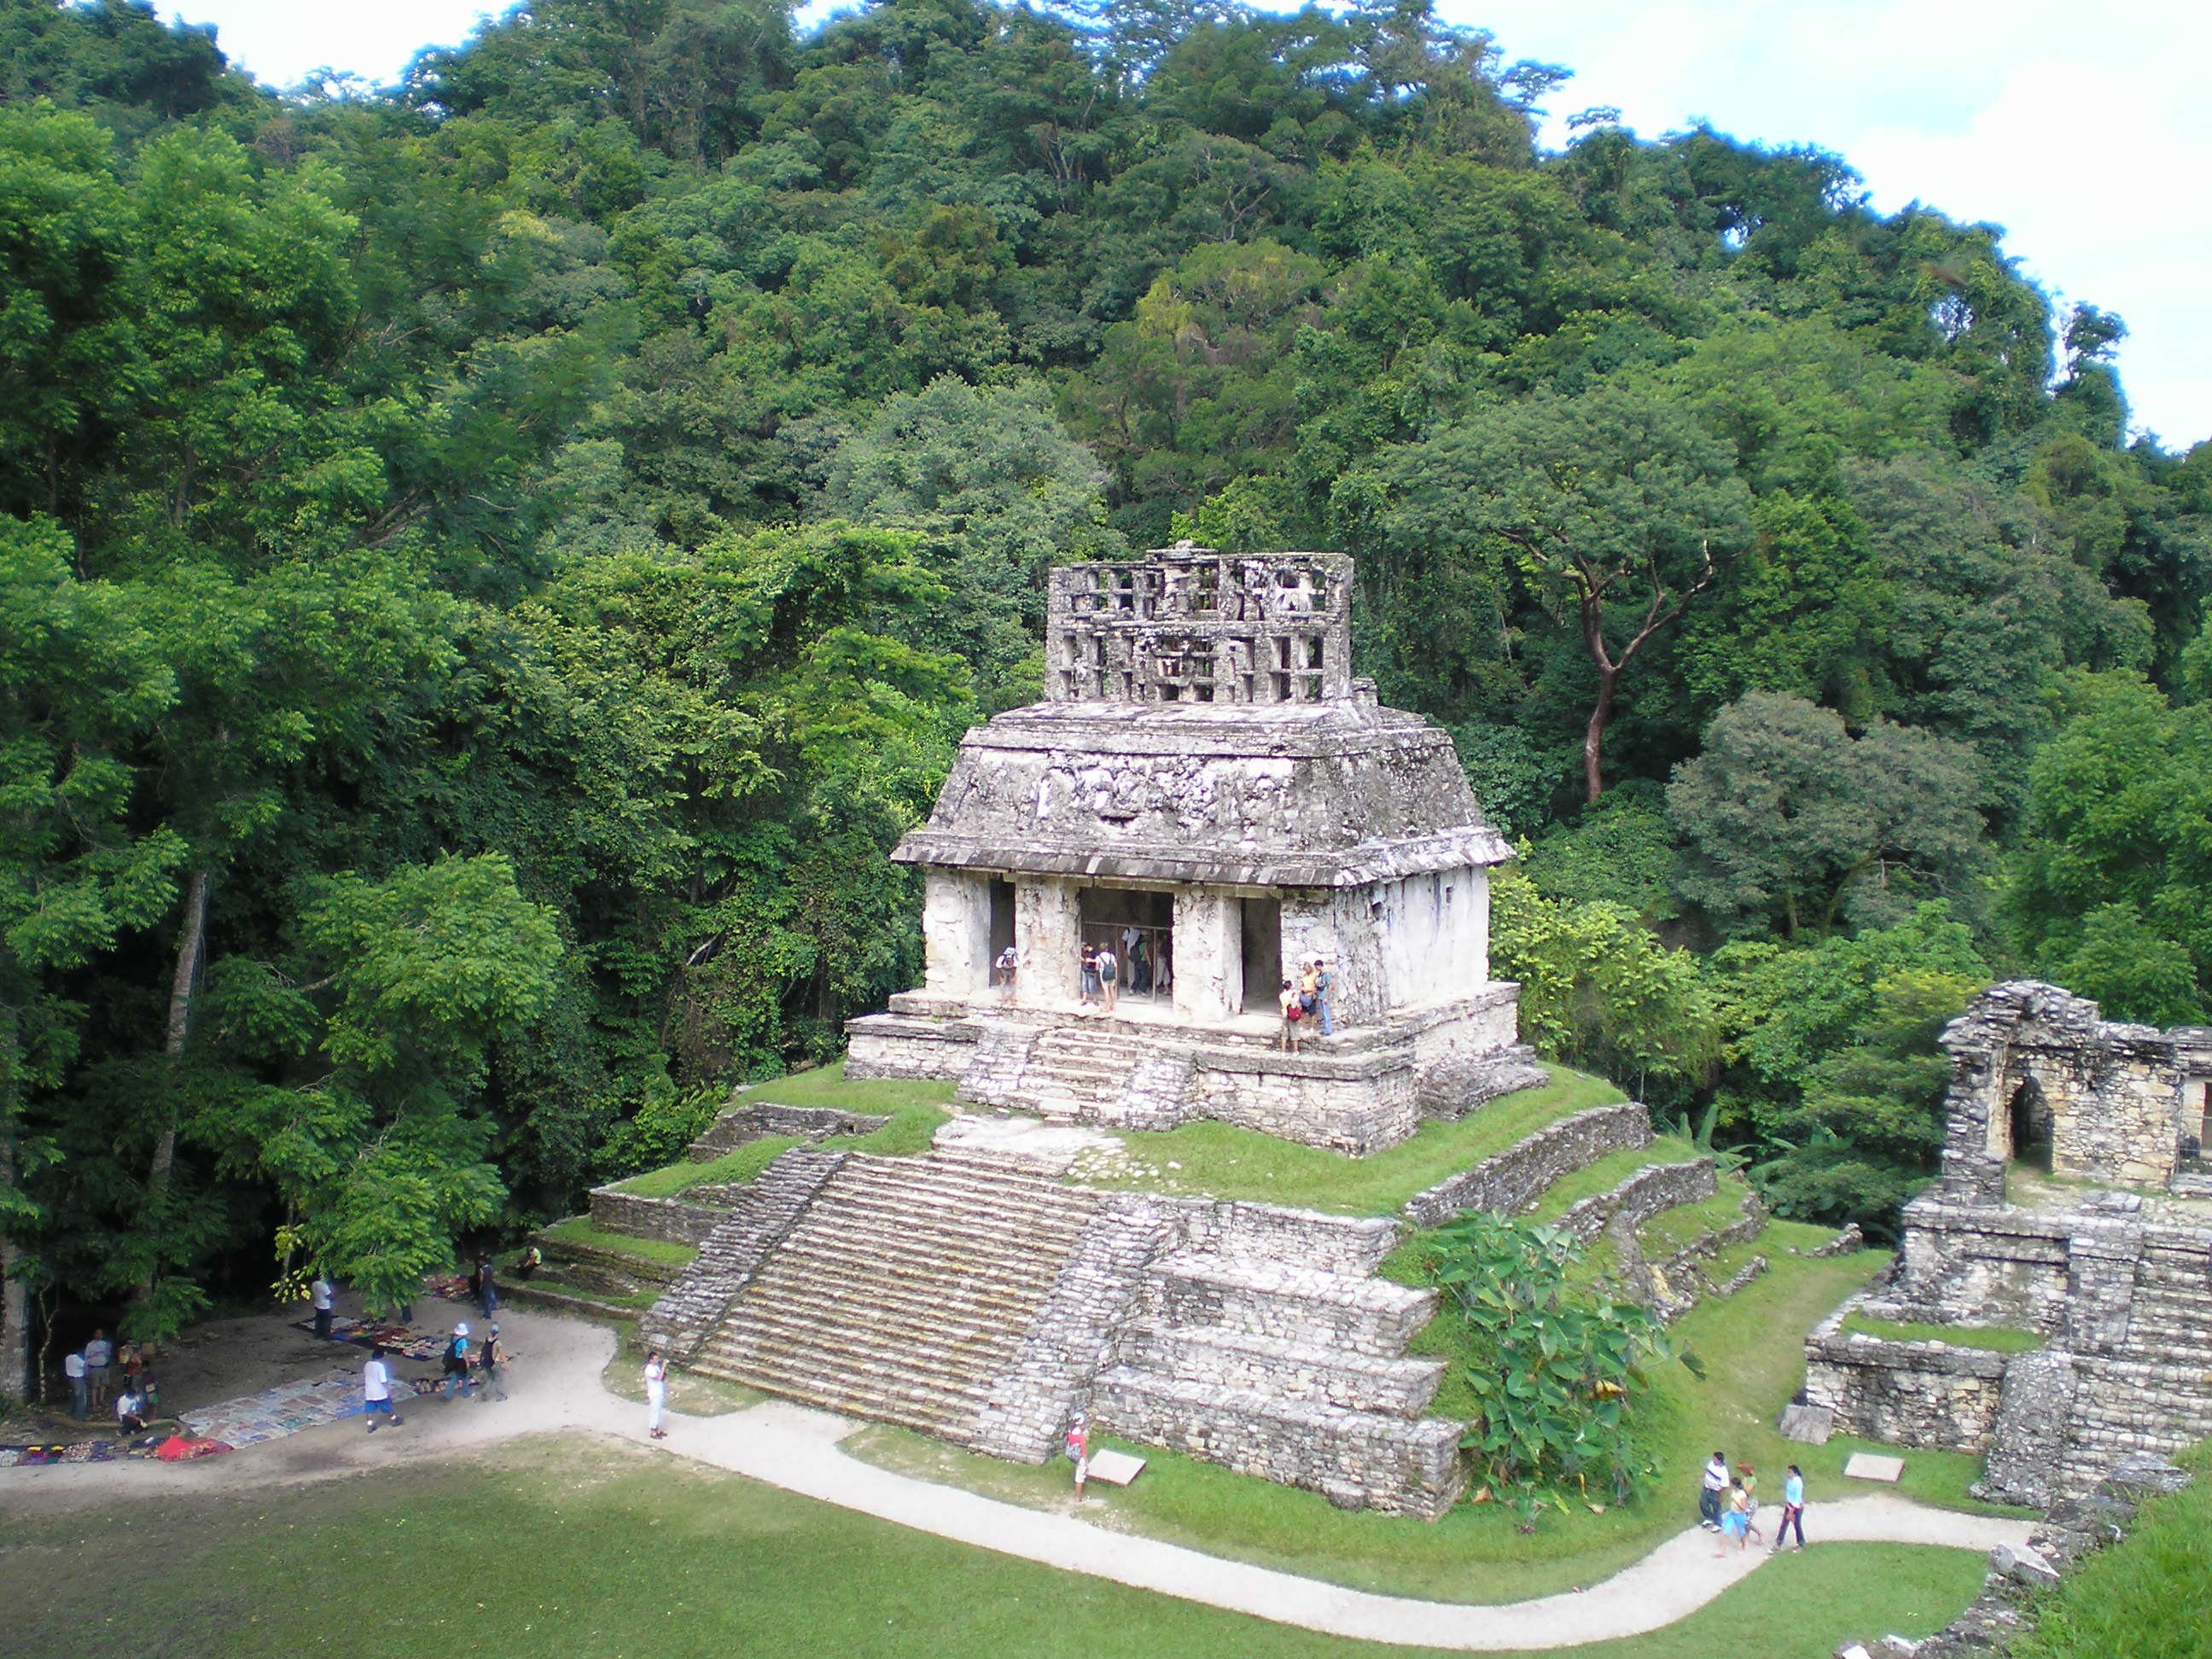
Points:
[(656, 1394), (326, 1296), (130, 1411), (1009, 964), (80, 1391), (99, 1355), (376, 1390), (1716, 1489)]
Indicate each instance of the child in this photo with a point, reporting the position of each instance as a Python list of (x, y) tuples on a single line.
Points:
[(1747, 1478), (1078, 1452), (1736, 1520)]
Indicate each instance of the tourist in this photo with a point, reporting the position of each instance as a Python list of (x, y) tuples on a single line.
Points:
[(656, 1394), (1709, 1501), (1109, 975), (1078, 1452), (1793, 1511), (1736, 1519), (455, 1366), (1088, 991), (324, 1297), (80, 1391), (376, 1390), (1747, 1478), (1324, 984), (530, 1261), (1140, 968), (131, 1412), (487, 1286), (1009, 961), (491, 1367), (99, 1355), (1294, 1011), (1309, 989)]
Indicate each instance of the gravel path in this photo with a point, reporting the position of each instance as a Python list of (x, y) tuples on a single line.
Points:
[(555, 1387)]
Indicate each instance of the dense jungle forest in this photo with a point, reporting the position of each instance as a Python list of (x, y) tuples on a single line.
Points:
[(488, 565)]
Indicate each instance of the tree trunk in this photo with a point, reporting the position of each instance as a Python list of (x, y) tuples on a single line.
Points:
[(15, 1373), (1594, 734), (190, 946)]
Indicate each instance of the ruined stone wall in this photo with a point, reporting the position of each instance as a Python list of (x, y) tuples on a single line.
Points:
[(1930, 1394), (1352, 1107), (897, 1046), (1510, 1182), (956, 933), (1272, 1232), (672, 1220), (1650, 1190)]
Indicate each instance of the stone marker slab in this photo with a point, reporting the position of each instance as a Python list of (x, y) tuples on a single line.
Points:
[(1809, 1426), (1116, 1469), (1866, 1466)]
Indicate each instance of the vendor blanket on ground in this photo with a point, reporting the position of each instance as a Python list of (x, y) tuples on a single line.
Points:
[(286, 1409), (371, 1332)]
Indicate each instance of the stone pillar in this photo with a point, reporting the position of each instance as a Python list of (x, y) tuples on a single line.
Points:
[(1209, 956), (2101, 1289), (956, 933), (1049, 933)]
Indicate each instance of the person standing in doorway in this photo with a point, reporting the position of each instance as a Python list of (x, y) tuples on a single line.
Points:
[(99, 1359), (656, 1394), (1793, 1511), (1009, 964), (80, 1391), (376, 1391), (1090, 981), (1110, 976), (324, 1296), (1294, 1013)]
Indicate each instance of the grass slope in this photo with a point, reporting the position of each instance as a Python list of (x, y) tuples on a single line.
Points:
[(1217, 1160), (1998, 1338), (915, 1109), (2148, 1597), (578, 1230), (596, 1553)]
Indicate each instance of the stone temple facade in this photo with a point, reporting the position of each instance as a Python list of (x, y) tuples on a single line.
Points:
[(1208, 790), (2074, 1203)]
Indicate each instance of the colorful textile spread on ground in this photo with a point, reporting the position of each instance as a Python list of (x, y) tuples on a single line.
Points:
[(454, 1287), (77, 1451), (286, 1409), (368, 1332)]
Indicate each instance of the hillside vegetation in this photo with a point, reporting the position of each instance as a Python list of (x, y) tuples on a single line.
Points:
[(489, 566)]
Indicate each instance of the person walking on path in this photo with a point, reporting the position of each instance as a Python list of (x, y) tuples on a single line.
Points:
[(456, 1367), (80, 1388), (99, 1357), (1110, 976), (487, 1287), (376, 1390), (656, 1394), (1736, 1519), (1716, 1485), (1294, 1013), (324, 1297), (1747, 1478), (1078, 1452), (491, 1366), (1793, 1511)]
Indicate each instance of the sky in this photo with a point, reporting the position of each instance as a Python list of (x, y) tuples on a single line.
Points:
[(2085, 136)]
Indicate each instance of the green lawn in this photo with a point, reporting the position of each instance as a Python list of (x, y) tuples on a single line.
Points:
[(1671, 1230), (1609, 1172), (916, 1109), (1998, 1338), (1218, 1161), (1752, 1345), (597, 1552)]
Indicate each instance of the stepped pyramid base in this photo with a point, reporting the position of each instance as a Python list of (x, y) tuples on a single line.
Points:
[(1357, 1091)]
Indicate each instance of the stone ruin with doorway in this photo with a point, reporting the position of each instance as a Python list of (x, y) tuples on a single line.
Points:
[(1209, 790), (2074, 1204), (1207, 786)]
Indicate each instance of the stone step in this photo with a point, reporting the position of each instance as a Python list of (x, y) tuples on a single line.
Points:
[(930, 1410), (908, 1318), (1240, 1360), (953, 1359), (1409, 1468), (1306, 1305), (833, 1285), (943, 1173), (965, 1193), (894, 1233)]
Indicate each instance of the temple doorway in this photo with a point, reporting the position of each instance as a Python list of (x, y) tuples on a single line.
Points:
[(1139, 926), (2029, 1121), (1262, 931)]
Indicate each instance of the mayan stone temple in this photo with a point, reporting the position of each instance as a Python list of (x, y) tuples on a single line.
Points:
[(2075, 1207), (1211, 795)]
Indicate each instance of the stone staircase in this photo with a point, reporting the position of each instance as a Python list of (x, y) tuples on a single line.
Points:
[(1063, 1071), (1262, 1341), (904, 1292)]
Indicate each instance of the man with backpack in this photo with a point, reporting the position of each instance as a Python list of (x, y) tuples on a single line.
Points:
[(491, 1368), (455, 1368), (1110, 976)]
